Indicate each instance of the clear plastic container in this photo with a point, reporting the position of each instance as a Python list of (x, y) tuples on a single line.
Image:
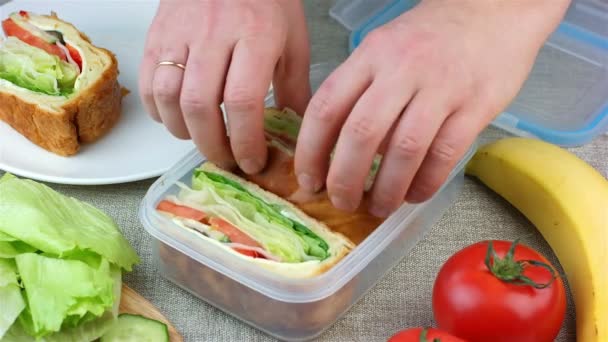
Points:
[(352, 14), (288, 309), (565, 98)]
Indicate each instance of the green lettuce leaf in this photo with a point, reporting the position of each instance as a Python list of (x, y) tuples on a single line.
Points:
[(56, 289), (88, 257), (10, 249), (35, 69), (256, 210), (60, 225), (8, 272), (69, 289), (276, 240), (12, 304), (87, 331), (5, 237), (11, 300), (285, 123), (237, 194), (6, 176)]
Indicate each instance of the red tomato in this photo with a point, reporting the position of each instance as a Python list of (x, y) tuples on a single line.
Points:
[(13, 30), (250, 253), (423, 335), (481, 300), (233, 233), (75, 55), (181, 211)]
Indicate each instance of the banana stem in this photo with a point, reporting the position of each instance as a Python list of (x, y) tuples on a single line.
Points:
[(511, 271)]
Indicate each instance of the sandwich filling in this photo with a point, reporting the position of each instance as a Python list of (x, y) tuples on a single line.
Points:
[(36, 59), (282, 128), (224, 210)]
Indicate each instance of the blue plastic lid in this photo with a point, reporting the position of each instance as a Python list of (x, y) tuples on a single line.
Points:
[(565, 98)]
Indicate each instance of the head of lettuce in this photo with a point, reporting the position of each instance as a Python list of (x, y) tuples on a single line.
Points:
[(60, 265)]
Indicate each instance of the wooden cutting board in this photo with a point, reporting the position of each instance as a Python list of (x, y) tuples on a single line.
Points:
[(133, 303)]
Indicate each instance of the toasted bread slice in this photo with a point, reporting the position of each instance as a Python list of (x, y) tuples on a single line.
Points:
[(62, 123)]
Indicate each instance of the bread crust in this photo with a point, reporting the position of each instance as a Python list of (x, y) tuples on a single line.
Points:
[(99, 107), (84, 118), (51, 131)]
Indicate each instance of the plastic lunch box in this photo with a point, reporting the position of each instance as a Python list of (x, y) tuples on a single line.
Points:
[(292, 310), (565, 98)]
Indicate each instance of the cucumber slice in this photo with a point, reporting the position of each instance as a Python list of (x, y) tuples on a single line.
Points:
[(138, 328), (58, 35)]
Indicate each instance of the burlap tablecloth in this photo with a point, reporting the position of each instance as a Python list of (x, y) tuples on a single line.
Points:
[(402, 299)]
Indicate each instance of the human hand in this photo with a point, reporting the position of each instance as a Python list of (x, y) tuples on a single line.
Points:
[(418, 90), (231, 50)]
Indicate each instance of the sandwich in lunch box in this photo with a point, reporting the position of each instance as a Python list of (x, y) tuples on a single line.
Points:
[(56, 88), (264, 218)]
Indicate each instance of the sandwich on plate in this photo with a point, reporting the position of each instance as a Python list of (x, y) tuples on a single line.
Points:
[(56, 88), (264, 218)]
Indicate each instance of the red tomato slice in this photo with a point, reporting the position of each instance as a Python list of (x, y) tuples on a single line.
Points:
[(250, 253), (11, 29), (233, 233), (181, 211), (75, 55)]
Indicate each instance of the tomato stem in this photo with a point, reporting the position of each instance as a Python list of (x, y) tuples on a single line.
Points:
[(423, 334), (511, 271)]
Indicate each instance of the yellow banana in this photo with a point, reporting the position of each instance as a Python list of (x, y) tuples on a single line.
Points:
[(567, 200)]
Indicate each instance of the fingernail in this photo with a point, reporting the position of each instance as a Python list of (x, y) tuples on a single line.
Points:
[(342, 203), (250, 165), (308, 183), (380, 211)]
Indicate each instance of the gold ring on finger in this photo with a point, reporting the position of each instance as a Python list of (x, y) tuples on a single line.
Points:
[(163, 63)]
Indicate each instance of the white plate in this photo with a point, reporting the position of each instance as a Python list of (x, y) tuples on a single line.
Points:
[(137, 148)]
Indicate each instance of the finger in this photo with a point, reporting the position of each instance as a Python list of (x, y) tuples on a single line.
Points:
[(387, 139), (200, 99), (452, 141), (247, 83), (292, 79), (360, 138), (146, 75), (406, 150), (324, 116), (166, 88)]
